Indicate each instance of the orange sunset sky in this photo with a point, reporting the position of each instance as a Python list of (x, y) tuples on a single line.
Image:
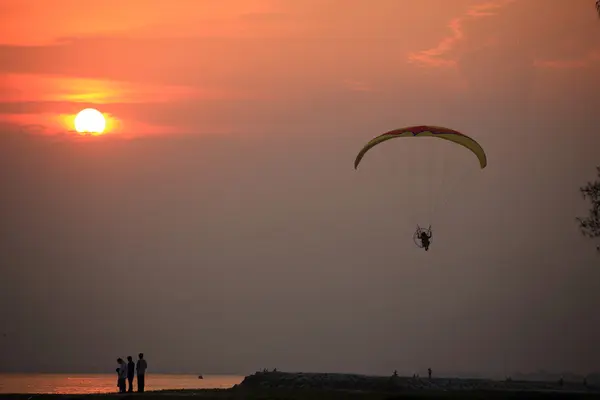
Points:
[(199, 66)]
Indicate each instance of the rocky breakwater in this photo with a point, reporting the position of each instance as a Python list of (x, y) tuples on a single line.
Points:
[(337, 381), (301, 380)]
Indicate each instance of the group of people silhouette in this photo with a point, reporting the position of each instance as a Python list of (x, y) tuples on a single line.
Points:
[(126, 372)]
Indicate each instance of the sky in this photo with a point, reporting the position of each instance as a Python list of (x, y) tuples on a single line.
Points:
[(219, 226)]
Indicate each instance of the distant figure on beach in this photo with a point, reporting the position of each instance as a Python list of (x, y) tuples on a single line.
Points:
[(141, 372), (130, 373), (429, 372), (122, 375)]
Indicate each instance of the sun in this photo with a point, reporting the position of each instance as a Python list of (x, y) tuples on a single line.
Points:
[(90, 121)]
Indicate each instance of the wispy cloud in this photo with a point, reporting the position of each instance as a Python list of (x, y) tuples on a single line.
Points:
[(354, 85), (589, 59), (34, 87), (52, 123), (50, 102), (40, 22), (438, 56)]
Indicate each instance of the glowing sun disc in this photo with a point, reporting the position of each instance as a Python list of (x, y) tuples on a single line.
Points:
[(90, 120)]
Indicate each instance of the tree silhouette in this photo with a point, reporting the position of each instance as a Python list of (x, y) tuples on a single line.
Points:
[(590, 226)]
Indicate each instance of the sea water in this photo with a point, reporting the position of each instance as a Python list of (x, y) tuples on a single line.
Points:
[(107, 383)]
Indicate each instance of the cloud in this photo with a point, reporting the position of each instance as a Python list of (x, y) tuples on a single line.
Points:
[(354, 85), (265, 17), (438, 56), (589, 59), (39, 87), (40, 22), (50, 102), (49, 123)]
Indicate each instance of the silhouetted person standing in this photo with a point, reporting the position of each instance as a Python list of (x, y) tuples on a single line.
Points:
[(130, 372), (429, 372), (141, 372), (122, 375)]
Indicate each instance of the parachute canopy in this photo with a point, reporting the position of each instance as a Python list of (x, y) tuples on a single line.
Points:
[(427, 131)]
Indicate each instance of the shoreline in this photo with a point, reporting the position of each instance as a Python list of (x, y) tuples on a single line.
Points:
[(288, 385)]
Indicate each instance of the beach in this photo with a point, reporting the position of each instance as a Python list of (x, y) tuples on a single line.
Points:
[(80, 383), (282, 385)]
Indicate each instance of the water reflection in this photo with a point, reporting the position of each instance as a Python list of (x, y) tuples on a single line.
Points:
[(106, 383)]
